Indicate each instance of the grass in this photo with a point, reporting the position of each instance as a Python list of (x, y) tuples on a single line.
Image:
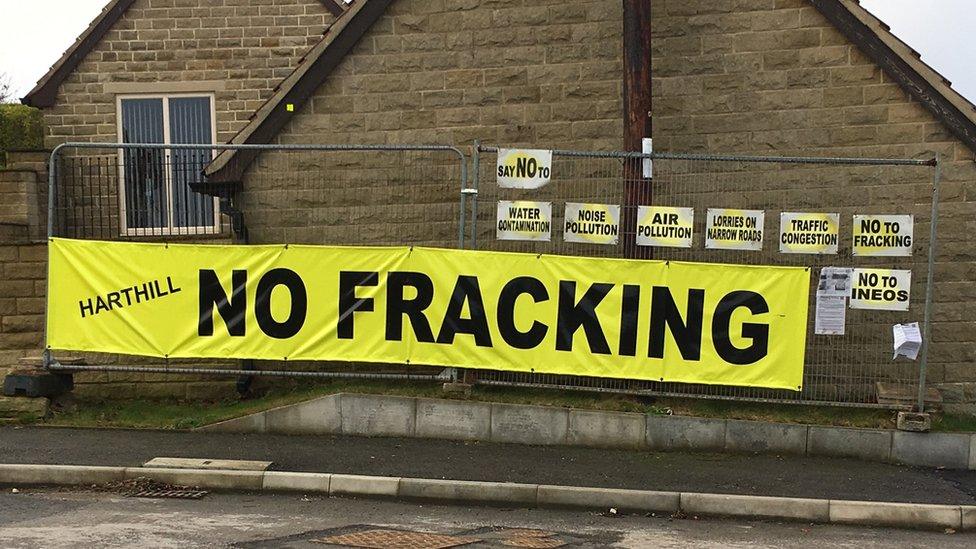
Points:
[(174, 414)]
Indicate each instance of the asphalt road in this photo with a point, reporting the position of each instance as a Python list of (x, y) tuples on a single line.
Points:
[(47, 518), (735, 474)]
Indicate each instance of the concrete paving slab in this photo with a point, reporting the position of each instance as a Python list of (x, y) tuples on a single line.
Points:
[(949, 450), (320, 416), (506, 493), (763, 437), (607, 498), (598, 429), (867, 444), (360, 485), (685, 433), (537, 425), (378, 416), (816, 510), (196, 463), (903, 515), (453, 420), (297, 482)]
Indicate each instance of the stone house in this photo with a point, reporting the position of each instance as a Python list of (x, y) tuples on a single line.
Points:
[(778, 77)]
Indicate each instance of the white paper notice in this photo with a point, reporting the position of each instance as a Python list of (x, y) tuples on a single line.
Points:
[(908, 340), (831, 315), (831, 308)]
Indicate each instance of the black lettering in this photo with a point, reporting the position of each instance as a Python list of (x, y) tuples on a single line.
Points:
[(114, 300), (466, 290), (397, 306), (629, 308), (573, 315), (665, 315), (299, 303), (349, 303), (758, 333), (212, 294), (506, 312), (86, 306)]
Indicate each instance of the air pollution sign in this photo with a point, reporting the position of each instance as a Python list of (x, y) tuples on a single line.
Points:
[(523, 168), (650, 320), (665, 226)]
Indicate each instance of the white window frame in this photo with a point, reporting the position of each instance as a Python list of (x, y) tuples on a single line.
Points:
[(170, 228)]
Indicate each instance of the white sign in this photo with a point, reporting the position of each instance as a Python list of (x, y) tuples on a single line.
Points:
[(883, 235), (881, 289), (665, 226), (729, 229), (907, 340), (524, 220), (831, 307), (808, 233), (592, 223), (524, 168)]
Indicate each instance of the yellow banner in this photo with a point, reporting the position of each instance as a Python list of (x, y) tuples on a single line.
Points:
[(648, 320)]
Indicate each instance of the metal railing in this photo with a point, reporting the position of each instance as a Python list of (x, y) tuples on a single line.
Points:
[(839, 369), (301, 194), (424, 195)]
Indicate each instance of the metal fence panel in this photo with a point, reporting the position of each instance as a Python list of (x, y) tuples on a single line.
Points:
[(839, 369), (297, 194)]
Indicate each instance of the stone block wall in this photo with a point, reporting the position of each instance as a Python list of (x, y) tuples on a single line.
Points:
[(503, 71), (775, 77), (237, 49)]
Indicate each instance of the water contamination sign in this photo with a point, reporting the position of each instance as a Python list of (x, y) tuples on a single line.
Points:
[(524, 220), (592, 223), (665, 226), (730, 229), (649, 320), (881, 289), (808, 233), (883, 235), (524, 168)]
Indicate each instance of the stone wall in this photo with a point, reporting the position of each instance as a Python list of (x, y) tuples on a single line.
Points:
[(774, 77), (237, 49)]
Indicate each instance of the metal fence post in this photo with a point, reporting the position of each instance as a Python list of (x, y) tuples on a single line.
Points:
[(929, 277), (476, 166)]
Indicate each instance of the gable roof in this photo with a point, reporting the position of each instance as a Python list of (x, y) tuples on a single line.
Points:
[(904, 65), (867, 32), (46, 90), (295, 90)]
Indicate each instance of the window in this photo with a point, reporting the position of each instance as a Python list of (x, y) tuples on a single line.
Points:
[(155, 194)]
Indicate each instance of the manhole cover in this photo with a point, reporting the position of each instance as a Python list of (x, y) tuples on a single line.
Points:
[(397, 539), (533, 542), (172, 494)]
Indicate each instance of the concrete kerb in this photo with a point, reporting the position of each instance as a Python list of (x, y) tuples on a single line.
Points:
[(900, 515)]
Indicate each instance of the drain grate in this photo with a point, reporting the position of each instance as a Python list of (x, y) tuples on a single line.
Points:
[(171, 494), (397, 539)]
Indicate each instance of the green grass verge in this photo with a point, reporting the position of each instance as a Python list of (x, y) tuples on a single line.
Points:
[(173, 414)]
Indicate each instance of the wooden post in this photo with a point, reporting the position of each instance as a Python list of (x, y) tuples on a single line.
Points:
[(637, 117)]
